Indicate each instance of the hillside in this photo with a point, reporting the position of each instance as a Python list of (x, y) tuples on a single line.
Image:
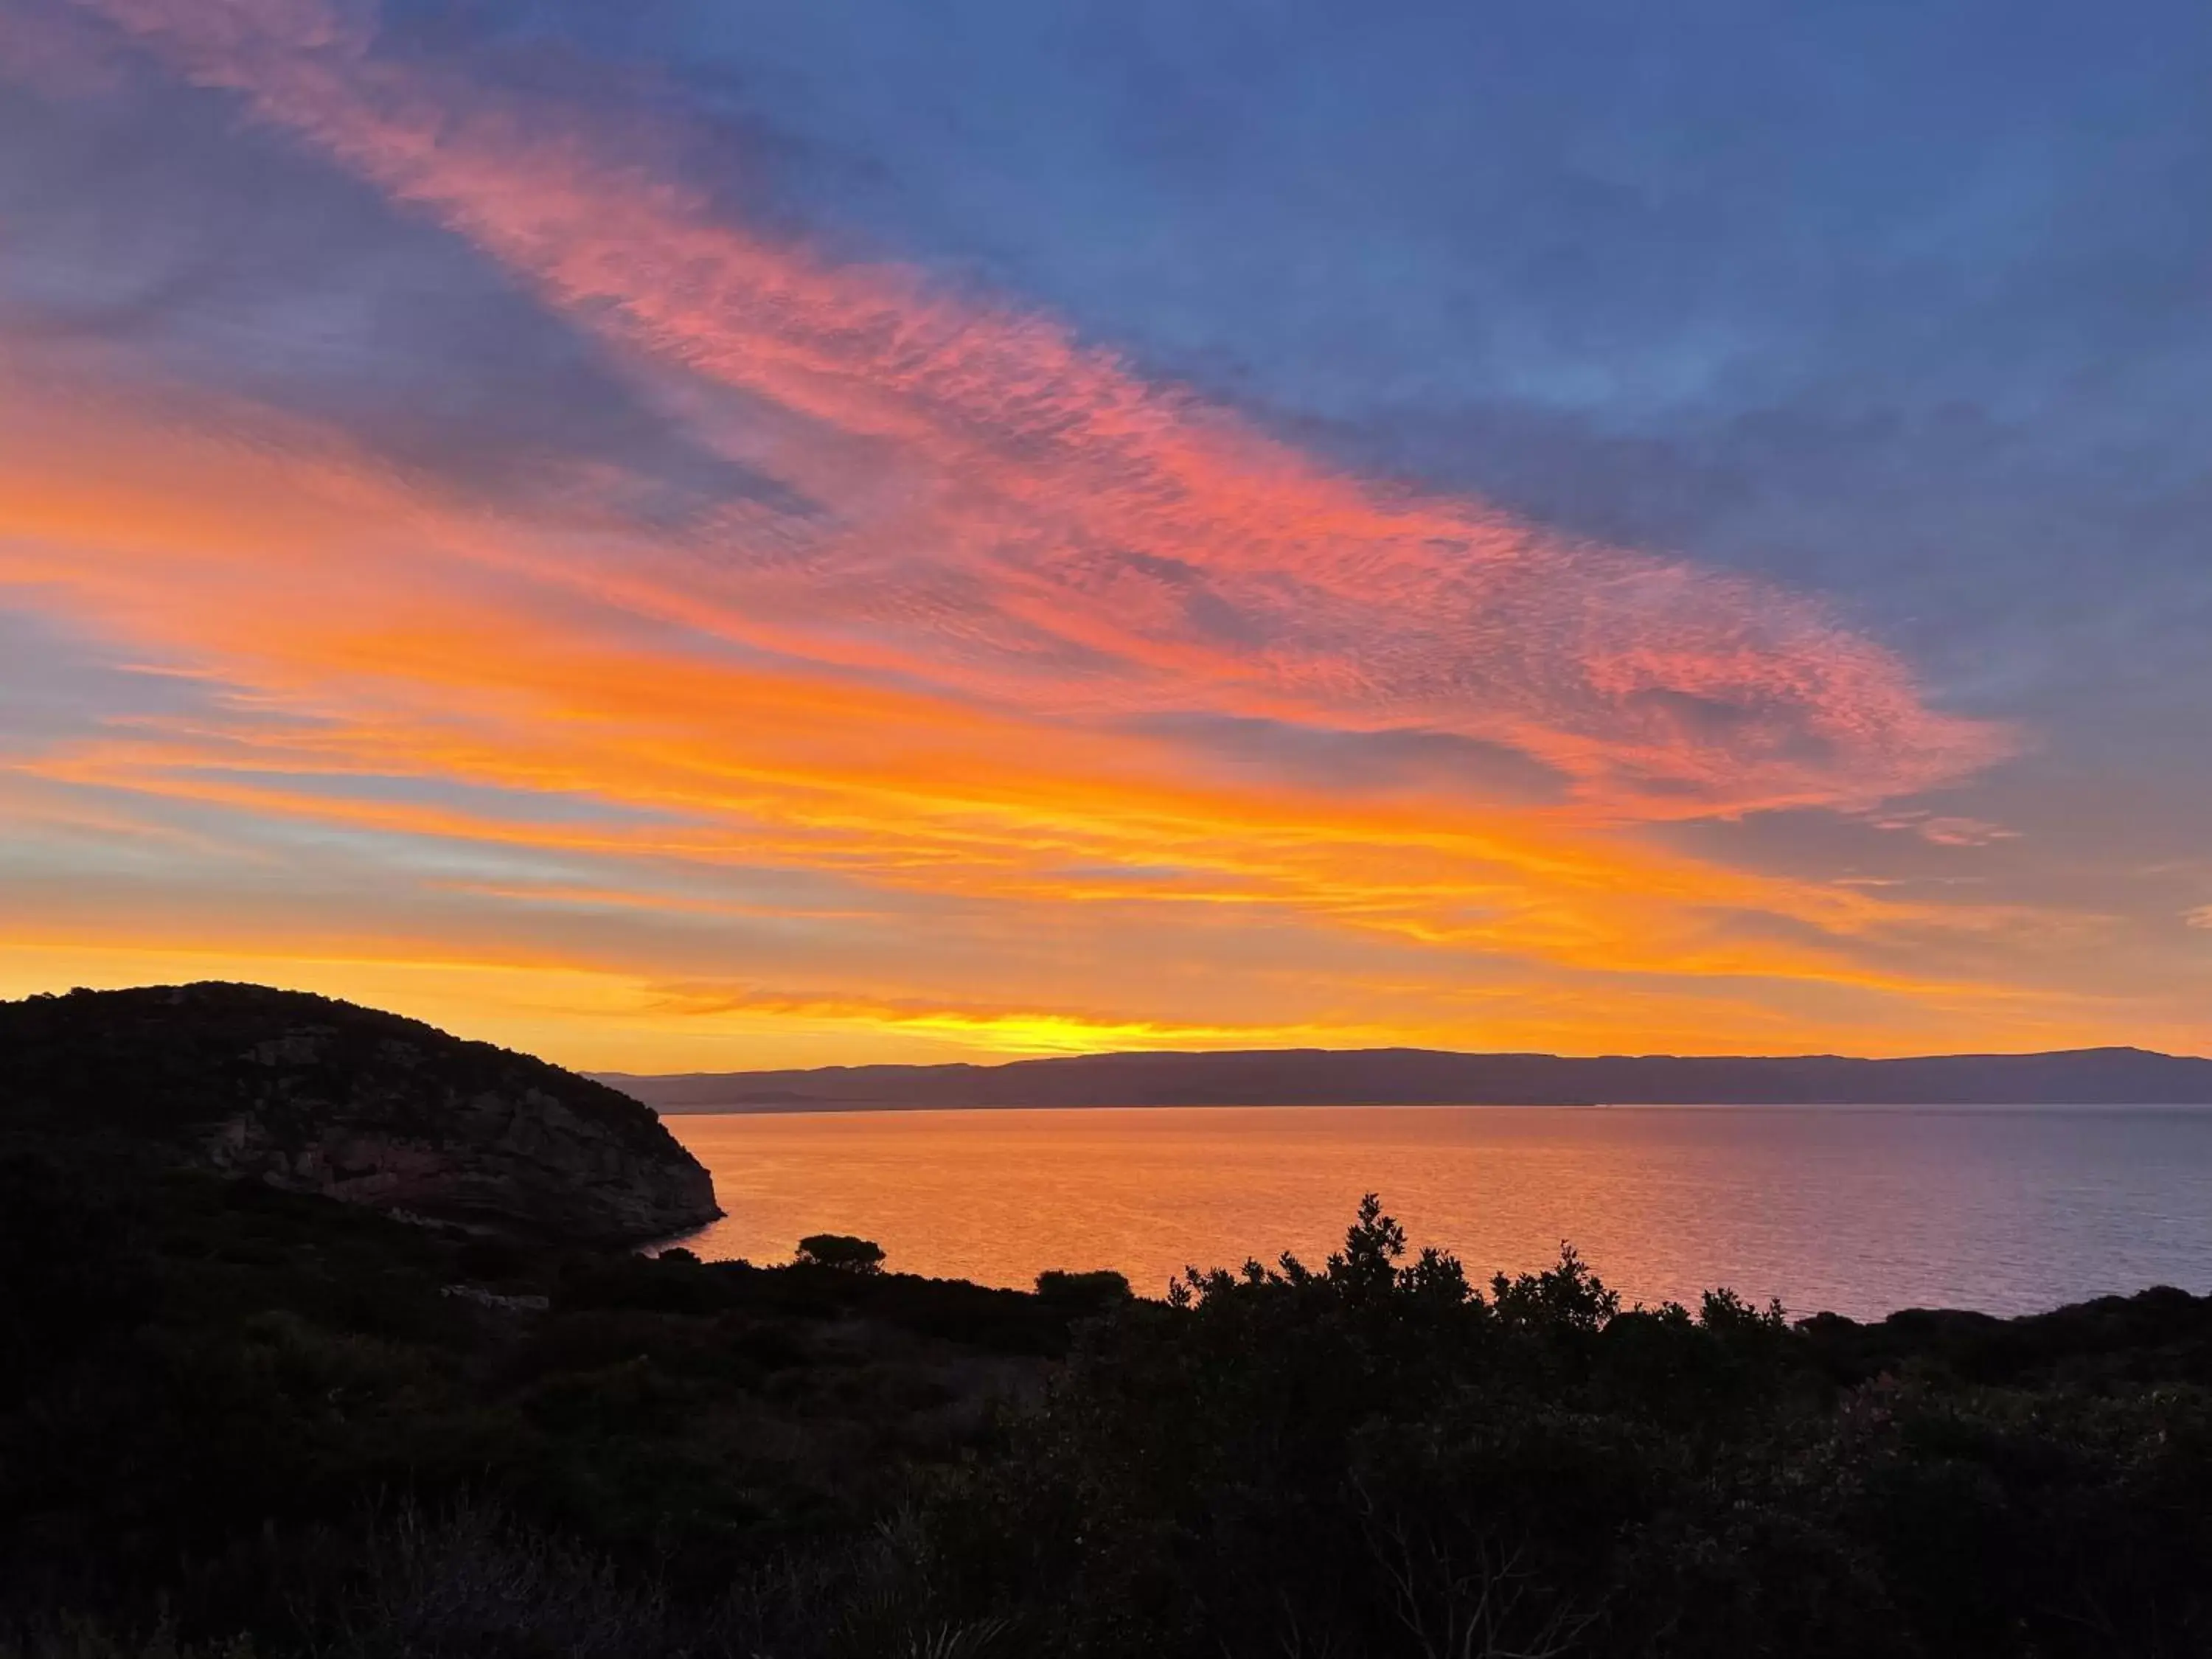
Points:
[(1315, 1077), (316, 1096), (243, 1422)]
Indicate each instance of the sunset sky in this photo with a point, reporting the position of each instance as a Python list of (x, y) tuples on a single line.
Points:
[(697, 534)]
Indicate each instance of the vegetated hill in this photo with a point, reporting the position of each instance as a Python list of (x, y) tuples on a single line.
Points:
[(1378, 1076), (323, 1097), (239, 1423), (237, 1420)]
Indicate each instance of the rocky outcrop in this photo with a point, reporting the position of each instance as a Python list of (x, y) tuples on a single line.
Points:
[(318, 1096)]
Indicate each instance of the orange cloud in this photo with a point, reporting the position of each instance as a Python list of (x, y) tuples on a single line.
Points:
[(995, 884), (377, 649)]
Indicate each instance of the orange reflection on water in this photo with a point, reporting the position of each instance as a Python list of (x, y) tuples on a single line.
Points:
[(1858, 1210)]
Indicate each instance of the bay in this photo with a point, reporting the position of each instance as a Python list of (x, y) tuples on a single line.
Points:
[(1858, 1210)]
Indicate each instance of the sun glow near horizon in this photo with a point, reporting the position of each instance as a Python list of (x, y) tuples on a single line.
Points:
[(940, 685)]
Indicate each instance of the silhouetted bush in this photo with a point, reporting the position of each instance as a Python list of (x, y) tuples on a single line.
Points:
[(843, 1252), (239, 1418), (1091, 1292)]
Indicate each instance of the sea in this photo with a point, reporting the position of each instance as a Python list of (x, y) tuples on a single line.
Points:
[(1857, 1210)]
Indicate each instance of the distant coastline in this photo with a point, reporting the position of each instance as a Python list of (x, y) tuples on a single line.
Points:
[(1415, 1076)]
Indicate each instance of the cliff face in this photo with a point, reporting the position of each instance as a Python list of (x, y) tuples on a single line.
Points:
[(316, 1096)]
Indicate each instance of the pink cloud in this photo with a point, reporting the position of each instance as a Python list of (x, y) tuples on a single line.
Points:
[(1017, 516), (1944, 831), (58, 53)]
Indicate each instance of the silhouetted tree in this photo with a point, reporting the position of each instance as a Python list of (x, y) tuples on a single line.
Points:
[(1569, 1297), (842, 1251), (1103, 1288)]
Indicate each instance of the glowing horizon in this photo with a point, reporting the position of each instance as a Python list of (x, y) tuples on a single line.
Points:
[(914, 674)]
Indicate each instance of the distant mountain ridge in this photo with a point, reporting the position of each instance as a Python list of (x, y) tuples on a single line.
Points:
[(1406, 1076)]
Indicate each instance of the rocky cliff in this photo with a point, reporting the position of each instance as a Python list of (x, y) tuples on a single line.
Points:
[(318, 1096)]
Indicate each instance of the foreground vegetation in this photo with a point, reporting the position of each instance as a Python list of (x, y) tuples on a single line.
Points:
[(236, 1421)]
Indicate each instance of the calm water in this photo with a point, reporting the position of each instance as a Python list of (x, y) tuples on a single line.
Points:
[(1859, 1210)]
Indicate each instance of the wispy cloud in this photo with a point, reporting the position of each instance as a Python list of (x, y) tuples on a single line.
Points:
[(1941, 830), (1019, 515), (58, 51)]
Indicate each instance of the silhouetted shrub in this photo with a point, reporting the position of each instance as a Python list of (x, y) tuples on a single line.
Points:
[(1085, 1291), (843, 1252), (70, 1272), (241, 1411)]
